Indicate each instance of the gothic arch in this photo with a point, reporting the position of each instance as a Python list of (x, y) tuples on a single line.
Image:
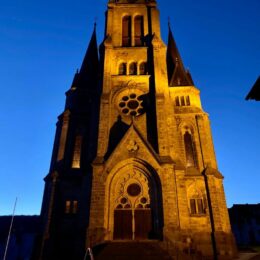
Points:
[(197, 202), (188, 137), (134, 187)]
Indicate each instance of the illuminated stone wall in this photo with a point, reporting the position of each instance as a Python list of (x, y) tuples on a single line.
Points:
[(134, 159)]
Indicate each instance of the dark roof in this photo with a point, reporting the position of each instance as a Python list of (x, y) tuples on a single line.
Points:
[(255, 91), (21, 224)]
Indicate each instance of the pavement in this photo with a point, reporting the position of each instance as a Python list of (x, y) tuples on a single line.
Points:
[(249, 256)]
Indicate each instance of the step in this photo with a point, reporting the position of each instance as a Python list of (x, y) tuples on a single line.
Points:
[(130, 250)]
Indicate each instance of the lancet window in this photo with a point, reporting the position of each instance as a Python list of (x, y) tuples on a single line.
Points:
[(126, 31), (139, 30), (77, 152), (189, 150)]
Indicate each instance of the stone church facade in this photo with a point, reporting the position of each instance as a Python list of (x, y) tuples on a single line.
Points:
[(133, 156)]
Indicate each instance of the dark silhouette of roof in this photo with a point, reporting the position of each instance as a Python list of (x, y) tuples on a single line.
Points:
[(255, 91), (177, 75), (21, 224), (88, 74)]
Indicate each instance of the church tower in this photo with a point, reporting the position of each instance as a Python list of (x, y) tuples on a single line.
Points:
[(133, 157)]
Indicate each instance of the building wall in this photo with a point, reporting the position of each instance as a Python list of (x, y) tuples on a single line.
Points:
[(151, 135)]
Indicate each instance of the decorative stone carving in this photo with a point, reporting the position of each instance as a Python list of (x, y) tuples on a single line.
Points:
[(132, 146)]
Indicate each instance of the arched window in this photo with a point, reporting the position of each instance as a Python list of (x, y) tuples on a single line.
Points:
[(182, 101), (143, 68), (139, 30), (197, 206), (133, 68), (187, 101), (122, 69), (189, 150), (126, 31), (77, 152)]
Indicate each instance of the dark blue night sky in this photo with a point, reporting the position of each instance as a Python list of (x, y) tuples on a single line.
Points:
[(42, 43)]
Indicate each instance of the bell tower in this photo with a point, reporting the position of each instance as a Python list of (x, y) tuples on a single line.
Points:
[(133, 157)]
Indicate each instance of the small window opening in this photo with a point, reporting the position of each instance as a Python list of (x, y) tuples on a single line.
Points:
[(75, 207), (182, 101), (133, 69), (177, 101), (77, 152), (143, 68), (197, 206), (67, 206), (187, 101), (71, 207), (122, 69)]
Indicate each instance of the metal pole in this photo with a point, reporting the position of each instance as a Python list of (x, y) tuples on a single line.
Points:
[(90, 253), (10, 229)]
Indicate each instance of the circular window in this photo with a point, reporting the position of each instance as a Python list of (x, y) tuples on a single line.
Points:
[(134, 189), (131, 104), (123, 200), (133, 95), (143, 200)]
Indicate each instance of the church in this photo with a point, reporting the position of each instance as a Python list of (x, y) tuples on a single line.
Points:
[(133, 171)]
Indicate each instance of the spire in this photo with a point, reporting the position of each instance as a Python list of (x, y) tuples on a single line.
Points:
[(177, 75), (90, 62), (88, 73)]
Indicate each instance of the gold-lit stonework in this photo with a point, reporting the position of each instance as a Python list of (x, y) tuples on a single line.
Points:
[(133, 156)]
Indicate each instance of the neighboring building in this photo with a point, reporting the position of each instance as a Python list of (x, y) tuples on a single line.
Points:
[(23, 234), (245, 223), (133, 157), (255, 91)]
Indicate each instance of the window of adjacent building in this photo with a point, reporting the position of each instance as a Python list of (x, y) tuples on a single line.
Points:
[(71, 206), (133, 68), (143, 68), (189, 150), (75, 207), (126, 31), (77, 152), (139, 30), (67, 206), (197, 206), (122, 69)]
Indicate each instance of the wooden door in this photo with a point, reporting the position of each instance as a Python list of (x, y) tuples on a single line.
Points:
[(143, 223), (123, 224)]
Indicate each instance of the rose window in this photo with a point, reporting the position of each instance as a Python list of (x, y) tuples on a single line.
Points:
[(131, 105)]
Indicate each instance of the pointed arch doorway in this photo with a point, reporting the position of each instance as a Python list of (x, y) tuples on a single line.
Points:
[(134, 199), (133, 216)]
